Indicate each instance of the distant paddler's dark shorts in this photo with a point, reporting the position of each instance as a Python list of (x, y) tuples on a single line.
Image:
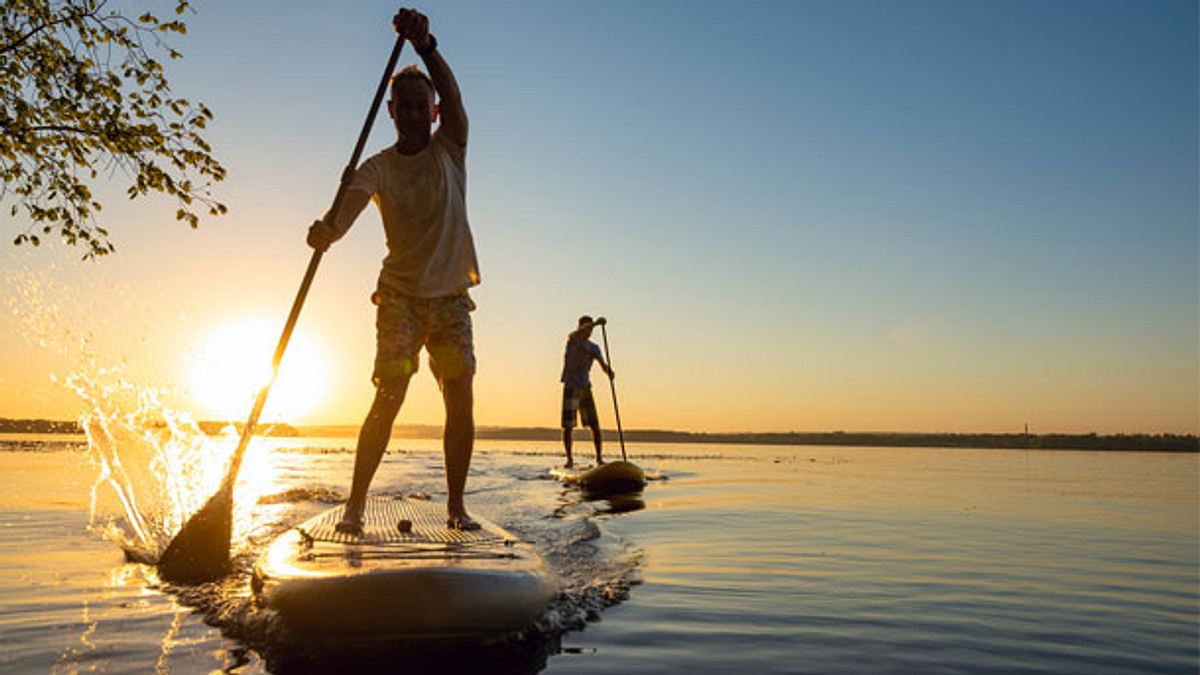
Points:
[(404, 324), (578, 399)]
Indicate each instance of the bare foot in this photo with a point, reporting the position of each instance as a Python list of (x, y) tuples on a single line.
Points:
[(351, 522), (569, 465), (462, 522)]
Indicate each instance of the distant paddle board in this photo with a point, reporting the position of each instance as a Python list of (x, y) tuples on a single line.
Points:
[(408, 576), (609, 478)]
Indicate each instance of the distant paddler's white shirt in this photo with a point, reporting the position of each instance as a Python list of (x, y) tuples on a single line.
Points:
[(422, 200)]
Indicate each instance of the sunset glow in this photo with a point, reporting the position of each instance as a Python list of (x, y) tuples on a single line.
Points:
[(231, 364), (924, 231)]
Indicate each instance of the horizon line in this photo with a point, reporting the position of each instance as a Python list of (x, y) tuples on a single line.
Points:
[(7, 421)]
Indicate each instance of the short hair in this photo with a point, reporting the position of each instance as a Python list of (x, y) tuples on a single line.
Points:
[(411, 72), (584, 319)]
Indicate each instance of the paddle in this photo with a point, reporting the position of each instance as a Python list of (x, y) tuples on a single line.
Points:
[(200, 551), (612, 383)]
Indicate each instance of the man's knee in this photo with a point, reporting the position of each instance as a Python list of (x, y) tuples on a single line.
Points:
[(389, 394), (459, 392)]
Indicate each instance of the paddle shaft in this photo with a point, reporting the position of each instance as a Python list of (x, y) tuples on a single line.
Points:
[(613, 385), (236, 462)]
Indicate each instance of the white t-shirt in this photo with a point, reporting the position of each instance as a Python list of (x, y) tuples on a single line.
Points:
[(422, 201)]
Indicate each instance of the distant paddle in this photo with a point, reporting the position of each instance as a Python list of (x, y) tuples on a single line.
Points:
[(618, 477), (612, 383), (200, 551)]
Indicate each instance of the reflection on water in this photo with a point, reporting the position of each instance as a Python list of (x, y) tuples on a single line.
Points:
[(129, 625), (168, 643), (68, 661), (622, 504), (764, 560)]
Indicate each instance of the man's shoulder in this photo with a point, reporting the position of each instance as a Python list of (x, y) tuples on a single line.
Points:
[(579, 345), (375, 160), (386, 154)]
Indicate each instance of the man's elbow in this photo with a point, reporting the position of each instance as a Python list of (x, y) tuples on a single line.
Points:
[(455, 114), (456, 127)]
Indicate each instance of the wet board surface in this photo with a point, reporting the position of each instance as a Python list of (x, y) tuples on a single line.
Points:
[(610, 477), (416, 582), (381, 525)]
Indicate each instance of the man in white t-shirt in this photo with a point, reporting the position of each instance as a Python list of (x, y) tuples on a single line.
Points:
[(419, 186)]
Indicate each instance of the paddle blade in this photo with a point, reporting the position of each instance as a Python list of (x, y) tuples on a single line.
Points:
[(200, 552)]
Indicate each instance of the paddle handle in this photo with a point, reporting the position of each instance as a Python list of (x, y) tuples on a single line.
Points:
[(613, 385), (347, 175)]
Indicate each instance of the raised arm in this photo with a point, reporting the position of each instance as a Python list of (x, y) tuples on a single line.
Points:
[(414, 26)]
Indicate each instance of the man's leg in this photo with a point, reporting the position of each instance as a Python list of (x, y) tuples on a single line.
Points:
[(372, 443), (452, 359), (567, 446), (596, 436), (587, 413), (570, 408), (458, 443)]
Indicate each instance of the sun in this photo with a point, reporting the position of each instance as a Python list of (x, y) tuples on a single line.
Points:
[(231, 364)]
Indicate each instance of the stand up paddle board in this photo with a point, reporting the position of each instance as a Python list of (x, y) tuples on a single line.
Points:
[(407, 576), (608, 478)]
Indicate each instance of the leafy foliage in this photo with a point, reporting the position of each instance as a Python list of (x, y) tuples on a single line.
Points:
[(82, 95)]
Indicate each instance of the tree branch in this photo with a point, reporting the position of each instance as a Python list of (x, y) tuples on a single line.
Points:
[(37, 29)]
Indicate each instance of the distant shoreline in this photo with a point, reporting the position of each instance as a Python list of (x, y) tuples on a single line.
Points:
[(1113, 442)]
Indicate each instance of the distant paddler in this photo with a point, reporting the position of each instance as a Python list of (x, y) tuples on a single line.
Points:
[(577, 399), (621, 476)]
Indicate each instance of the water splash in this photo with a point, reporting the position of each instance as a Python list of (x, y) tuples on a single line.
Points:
[(155, 466)]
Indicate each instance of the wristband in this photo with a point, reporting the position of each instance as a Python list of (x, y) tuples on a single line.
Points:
[(429, 48)]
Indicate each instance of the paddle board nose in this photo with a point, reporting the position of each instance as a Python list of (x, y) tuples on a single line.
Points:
[(617, 477), (406, 576)]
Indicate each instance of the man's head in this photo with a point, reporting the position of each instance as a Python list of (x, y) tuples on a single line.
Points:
[(412, 108), (585, 325)]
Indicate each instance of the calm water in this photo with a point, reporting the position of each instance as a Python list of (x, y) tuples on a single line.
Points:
[(736, 560)]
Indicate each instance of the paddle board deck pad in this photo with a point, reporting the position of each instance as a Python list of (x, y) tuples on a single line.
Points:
[(608, 478), (407, 576)]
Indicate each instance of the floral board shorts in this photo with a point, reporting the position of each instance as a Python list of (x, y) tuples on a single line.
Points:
[(404, 324), (578, 399)]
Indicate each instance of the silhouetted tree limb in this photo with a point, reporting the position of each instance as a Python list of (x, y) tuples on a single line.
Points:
[(81, 96)]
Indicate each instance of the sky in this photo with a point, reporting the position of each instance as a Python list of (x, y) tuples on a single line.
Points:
[(796, 215)]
